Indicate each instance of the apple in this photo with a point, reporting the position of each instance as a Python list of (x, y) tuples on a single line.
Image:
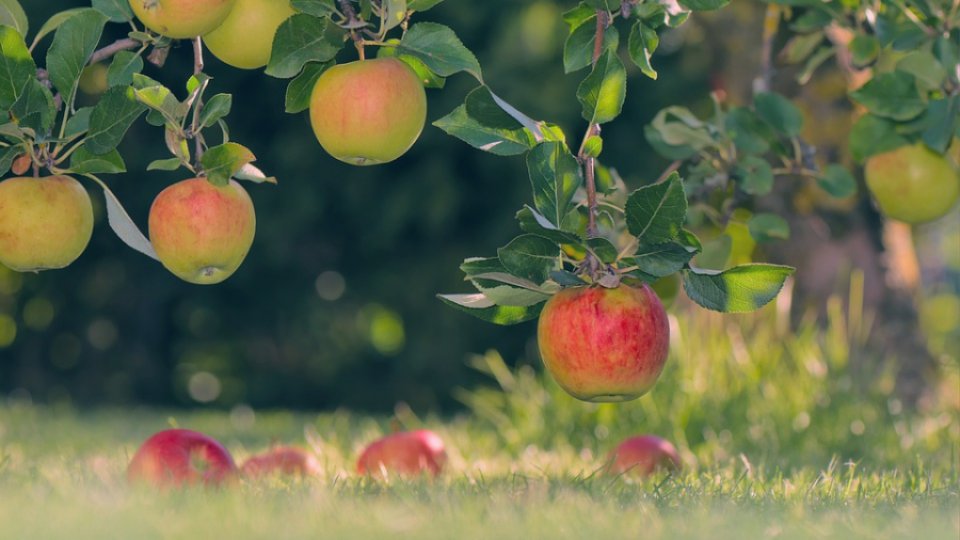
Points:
[(45, 223), (642, 456), (178, 457), (181, 19), (202, 232), (913, 183), (368, 112), (408, 453), (245, 38), (604, 344), (283, 460)]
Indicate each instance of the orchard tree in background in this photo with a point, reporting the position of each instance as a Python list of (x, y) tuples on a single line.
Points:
[(591, 252)]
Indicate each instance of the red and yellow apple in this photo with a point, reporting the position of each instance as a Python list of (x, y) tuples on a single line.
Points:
[(202, 232), (178, 457), (281, 461), (913, 183), (368, 112), (410, 453), (245, 38), (45, 223), (181, 19), (642, 456), (604, 344)]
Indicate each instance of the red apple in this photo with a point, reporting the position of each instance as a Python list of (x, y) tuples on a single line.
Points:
[(409, 453), (283, 460), (604, 344), (177, 457), (642, 456)]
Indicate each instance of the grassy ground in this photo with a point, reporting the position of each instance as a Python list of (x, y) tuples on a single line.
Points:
[(783, 436)]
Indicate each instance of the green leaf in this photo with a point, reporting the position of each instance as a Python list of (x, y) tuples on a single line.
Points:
[(641, 45), (925, 67), (944, 115), (740, 289), (302, 39), (656, 213), (12, 15), (440, 49), (124, 65), (117, 11), (84, 161), (220, 163), (170, 164), (484, 309), (393, 12), (659, 260), (123, 226), (801, 46), (481, 123), (74, 42), (555, 175), (603, 91), (317, 8), (55, 22), (7, 155), (530, 257), (421, 5), (427, 77), (216, 109), (837, 181), (864, 49), (749, 132), (768, 227), (35, 107), (110, 119), (873, 135), (891, 95), (779, 112), (603, 249), (79, 122), (300, 89), (162, 100), (579, 46), (534, 222), (755, 175), (16, 66), (703, 5), (593, 146)]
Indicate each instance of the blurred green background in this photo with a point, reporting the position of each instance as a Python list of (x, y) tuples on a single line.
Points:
[(335, 305)]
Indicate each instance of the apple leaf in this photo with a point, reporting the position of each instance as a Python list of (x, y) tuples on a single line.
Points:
[(7, 155), (74, 42), (755, 175), (302, 39), (579, 46), (483, 308), (84, 161), (440, 49), (124, 65), (641, 45), (656, 213), (768, 227), (300, 88), (122, 225), (661, 260), (944, 122), (34, 108), (421, 5), (482, 123), (220, 163), (837, 181), (55, 22), (779, 112), (317, 8), (534, 222), (12, 15), (110, 119), (873, 135), (703, 5), (117, 11), (603, 91), (530, 257), (17, 67), (215, 109), (740, 289), (555, 175), (891, 95)]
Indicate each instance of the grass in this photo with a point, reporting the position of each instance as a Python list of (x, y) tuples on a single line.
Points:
[(784, 435)]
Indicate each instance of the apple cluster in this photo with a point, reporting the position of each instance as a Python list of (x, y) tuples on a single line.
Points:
[(181, 457)]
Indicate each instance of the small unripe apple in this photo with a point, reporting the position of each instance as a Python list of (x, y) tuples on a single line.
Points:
[(368, 112), (202, 232), (283, 461), (245, 38), (912, 183), (181, 19), (642, 456), (45, 223), (409, 453), (604, 344), (178, 457)]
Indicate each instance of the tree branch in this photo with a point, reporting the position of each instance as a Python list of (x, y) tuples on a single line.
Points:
[(112, 49)]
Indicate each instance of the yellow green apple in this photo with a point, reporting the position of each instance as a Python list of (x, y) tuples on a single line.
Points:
[(913, 183), (181, 19), (202, 232), (245, 38), (45, 223), (603, 344), (368, 112)]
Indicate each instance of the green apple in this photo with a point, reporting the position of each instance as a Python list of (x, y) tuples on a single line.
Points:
[(604, 344), (181, 19), (912, 183), (368, 112), (45, 223), (245, 39), (202, 232)]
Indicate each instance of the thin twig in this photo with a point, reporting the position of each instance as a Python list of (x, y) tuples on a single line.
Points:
[(112, 49), (590, 163), (198, 106)]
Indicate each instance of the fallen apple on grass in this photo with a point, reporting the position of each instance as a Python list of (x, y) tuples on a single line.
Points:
[(45, 223), (643, 456), (181, 19), (202, 232), (284, 460), (604, 344), (179, 457), (410, 453), (368, 112)]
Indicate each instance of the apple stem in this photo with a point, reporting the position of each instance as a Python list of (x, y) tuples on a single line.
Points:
[(351, 14), (198, 65)]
